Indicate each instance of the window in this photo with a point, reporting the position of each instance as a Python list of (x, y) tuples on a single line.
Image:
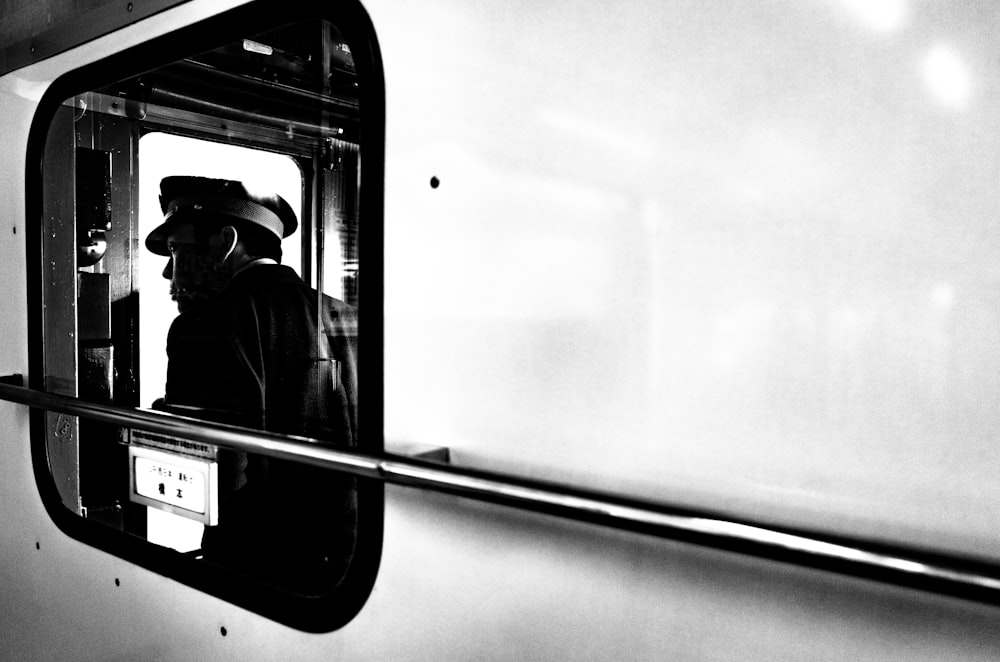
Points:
[(200, 213)]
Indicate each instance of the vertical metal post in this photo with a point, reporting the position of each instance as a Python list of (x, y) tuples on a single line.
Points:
[(60, 296)]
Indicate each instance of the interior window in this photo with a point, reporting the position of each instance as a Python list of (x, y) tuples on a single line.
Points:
[(164, 155), (200, 257)]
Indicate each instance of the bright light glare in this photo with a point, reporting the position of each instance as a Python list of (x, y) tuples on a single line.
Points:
[(943, 296), (881, 15), (948, 77)]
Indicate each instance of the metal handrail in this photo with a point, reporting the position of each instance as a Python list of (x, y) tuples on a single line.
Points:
[(924, 570)]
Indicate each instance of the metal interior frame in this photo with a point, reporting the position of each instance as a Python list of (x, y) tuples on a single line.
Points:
[(935, 572)]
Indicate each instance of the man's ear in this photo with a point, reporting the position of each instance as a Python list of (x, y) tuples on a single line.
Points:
[(229, 239)]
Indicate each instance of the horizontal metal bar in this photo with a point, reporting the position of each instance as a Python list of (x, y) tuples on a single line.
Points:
[(308, 451), (705, 528), (940, 573)]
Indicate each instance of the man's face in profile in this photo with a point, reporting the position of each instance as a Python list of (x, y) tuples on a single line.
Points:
[(196, 269)]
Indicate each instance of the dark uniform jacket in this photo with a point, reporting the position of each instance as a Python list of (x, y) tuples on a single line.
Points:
[(269, 356)]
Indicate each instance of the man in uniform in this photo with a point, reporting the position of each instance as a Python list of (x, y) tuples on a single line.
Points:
[(254, 346)]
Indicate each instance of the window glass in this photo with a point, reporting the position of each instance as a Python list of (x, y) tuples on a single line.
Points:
[(199, 257)]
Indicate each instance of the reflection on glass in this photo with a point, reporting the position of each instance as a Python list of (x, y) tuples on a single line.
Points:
[(879, 15), (948, 77)]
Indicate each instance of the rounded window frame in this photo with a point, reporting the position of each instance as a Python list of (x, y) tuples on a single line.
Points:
[(332, 610)]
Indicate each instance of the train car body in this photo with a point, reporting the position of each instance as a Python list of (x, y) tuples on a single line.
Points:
[(677, 325)]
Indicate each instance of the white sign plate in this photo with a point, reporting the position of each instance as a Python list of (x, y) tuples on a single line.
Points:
[(180, 484)]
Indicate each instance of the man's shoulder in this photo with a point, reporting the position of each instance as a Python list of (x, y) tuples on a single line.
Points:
[(264, 282), (267, 273), (278, 283)]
